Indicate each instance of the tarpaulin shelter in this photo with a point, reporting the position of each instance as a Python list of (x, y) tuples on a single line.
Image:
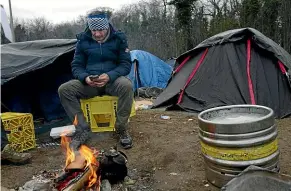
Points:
[(240, 66), (148, 70), (32, 71)]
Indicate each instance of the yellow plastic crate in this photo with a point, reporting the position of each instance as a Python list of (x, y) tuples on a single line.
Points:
[(100, 112), (20, 129)]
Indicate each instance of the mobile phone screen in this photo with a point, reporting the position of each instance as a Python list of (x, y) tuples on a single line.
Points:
[(94, 77)]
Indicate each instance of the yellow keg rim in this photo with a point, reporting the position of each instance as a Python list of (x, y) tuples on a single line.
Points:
[(240, 154)]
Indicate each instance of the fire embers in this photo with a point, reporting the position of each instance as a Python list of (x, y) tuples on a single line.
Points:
[(113, 166)]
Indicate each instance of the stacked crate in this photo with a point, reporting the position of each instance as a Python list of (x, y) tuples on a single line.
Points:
[(20, 130)]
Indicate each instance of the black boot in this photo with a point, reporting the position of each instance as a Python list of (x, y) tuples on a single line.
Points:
[(79, 138), (125, 139), (82, 134)]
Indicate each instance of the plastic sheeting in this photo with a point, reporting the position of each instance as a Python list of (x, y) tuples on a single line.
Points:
[(255, 178), (24, 57), (149, 70)]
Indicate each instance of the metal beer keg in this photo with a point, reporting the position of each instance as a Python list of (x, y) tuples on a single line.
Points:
[(235, 137)]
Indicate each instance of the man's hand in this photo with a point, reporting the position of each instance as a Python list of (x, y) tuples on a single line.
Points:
[(100, 82), (89, 81)]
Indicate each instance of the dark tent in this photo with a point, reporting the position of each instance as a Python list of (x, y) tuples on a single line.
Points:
[(31, 73), (239, 66), (24, 57)]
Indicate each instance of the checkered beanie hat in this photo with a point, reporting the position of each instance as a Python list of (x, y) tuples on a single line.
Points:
[(98, 22)]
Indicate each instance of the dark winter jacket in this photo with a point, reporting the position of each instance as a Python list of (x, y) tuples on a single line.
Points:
[(92, 58)]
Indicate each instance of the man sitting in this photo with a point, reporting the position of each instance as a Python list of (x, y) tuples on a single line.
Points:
[(100, 64)]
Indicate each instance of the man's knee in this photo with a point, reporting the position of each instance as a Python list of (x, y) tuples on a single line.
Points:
[(66, 87), (125, 84), (63, 88)]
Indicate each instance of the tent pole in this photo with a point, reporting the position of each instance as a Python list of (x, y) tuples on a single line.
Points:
[(135, 76), (11, 22)]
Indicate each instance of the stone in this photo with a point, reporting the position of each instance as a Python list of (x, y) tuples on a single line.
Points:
[(38, 183), (105, 185), (6, 189)]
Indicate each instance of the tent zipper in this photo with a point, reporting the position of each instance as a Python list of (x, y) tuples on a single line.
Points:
[(197, 66)]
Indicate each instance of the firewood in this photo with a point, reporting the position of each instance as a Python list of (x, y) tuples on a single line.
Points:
[(82, 181), (78, 163)]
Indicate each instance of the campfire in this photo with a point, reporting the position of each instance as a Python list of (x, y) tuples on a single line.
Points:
[(80, 169), (84, 168)]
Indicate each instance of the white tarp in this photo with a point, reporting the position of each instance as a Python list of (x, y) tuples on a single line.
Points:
[(5, 24)]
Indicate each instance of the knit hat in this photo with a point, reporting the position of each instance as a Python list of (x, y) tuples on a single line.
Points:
[(98, 22)]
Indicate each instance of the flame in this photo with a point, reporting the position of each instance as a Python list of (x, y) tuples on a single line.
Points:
[(86, 153), (70, 155), (75, 121)]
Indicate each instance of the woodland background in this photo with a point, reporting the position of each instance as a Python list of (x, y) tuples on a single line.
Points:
[(168, 28)]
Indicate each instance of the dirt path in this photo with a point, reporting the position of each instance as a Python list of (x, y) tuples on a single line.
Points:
[(166, 154)]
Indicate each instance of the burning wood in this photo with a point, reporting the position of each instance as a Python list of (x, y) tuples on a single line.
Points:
[(79, 181), (80, 168), (83, 170)]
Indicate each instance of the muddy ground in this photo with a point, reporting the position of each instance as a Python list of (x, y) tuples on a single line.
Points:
[(166, 154)]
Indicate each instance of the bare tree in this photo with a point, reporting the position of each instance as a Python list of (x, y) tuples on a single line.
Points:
[(39, 28), (167, 28)]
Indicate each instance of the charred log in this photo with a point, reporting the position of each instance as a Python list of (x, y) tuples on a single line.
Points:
[(74, 179)]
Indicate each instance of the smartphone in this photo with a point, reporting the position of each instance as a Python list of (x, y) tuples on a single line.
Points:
[(94, 78)]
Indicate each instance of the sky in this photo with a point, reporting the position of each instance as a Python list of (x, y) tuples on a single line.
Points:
[(58, 11)]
